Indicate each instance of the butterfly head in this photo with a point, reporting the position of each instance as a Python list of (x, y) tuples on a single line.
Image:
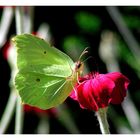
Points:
[(79, 66)]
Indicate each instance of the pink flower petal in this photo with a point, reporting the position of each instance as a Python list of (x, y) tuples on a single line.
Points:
[(73, 94), (121, 84), (102, 88), (85, 98)]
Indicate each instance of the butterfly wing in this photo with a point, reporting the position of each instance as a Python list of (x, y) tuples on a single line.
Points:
[(43, 72)]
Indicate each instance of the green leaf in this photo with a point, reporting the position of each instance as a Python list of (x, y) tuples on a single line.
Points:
[(133, 25), (126, 55), (88, 22)]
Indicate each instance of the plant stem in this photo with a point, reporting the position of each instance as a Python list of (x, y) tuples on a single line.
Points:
[(19, 116), (5, 22), (19, 107), (8, 112), (31, 18), (124, 30), (19, 20), (102, 118)]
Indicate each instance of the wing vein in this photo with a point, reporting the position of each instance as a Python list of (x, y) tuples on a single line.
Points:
[(58, 89)]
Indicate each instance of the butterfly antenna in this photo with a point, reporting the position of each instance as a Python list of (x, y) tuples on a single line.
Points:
[(84, 52)]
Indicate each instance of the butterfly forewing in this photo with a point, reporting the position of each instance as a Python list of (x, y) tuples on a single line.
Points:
[(42, 72)]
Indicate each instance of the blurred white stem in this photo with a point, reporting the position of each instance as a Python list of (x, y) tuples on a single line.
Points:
[(8, 112), (43, 126), (19, 20), (6, 20), (132, 114), (19, 106), (44, 32), (19, 116), (126, 33), (28, 19)]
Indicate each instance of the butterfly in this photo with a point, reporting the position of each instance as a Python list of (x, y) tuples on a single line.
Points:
[(46, 75)]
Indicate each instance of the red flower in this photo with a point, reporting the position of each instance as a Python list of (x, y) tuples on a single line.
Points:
[(5, 49), (51, 112), (96, 90)]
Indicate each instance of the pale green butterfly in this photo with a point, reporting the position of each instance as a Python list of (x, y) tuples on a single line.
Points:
[(46, 76)]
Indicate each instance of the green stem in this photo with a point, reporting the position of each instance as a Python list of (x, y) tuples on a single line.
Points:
[(102, 118), (19, 106)]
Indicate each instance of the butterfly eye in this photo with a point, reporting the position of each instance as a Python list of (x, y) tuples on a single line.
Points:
[(79, 65)]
